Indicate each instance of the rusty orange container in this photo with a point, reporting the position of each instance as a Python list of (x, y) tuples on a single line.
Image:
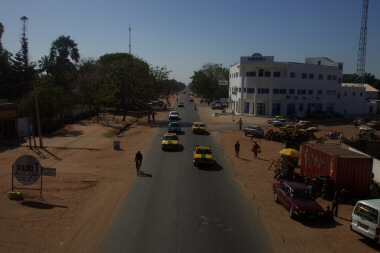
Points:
[(345, 167)]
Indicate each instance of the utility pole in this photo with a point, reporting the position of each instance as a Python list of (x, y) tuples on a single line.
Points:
[(360, 70), (38, 116), (130, 51)]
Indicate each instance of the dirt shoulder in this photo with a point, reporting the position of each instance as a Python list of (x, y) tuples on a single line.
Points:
[(80, 202), (256, 178)]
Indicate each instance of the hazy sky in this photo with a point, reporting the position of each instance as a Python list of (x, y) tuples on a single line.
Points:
[(184, 35)]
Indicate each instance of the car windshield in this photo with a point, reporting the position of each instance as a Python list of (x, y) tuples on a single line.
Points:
[(174, 124), (170, 138), (203, 151), (199, 125), (304, 195)]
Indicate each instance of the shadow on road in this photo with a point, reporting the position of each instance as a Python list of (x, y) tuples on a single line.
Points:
[(143, 174), (40, 205), (214, 167)]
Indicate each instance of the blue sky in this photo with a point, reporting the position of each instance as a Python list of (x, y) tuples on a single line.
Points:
[(184, 35)]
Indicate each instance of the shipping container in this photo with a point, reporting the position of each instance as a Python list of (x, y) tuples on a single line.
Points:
[(347, 168)]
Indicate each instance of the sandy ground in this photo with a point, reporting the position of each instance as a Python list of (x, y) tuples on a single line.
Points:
[(92, 180), (256, 178), (79, 203)]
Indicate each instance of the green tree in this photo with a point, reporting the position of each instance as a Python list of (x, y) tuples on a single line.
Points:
[(46, 65), (5, 65), (205, 82)]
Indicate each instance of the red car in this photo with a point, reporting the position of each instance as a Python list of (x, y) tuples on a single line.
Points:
[(297, 198)]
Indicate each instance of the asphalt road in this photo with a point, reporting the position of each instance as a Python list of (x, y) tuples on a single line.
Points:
[(182, 208)]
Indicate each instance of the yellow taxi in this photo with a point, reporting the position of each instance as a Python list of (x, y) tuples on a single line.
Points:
[(170, 141), (306, 124), (375, 124), (292, 128), (202, 155), (181, 104), (199, 127)]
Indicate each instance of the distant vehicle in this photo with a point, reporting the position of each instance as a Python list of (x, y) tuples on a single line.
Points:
[(174, 127), (306, 124), (254, 131), (173, 115), (191, 100), (157, 103), (224, 105), (292, 128), (365, 219), (198, 127), (375, 124), (181, 104), (297, 199), (279, 122), (170, 141), (202, 155), (275, 118)]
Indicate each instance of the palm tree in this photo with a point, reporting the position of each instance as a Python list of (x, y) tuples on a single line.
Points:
[(46, 64), (62, 48)]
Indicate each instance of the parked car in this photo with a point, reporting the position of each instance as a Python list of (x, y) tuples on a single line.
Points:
[(276, 118), (181, 104), (292, 128), (279, 122), (170, 141), (173, 115), (297, 199), (254, 131), (202, 155), (365, 219), (304, 124), (375, 124), (174, 127)]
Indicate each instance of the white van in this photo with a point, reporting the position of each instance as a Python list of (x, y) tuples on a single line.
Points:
[(365, 219)]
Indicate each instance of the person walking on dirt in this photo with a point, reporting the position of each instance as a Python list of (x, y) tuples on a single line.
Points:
[(138, 161), (255, 149), (335, 203), (240, 123), (177, 100), (237, 148), (195, 107)]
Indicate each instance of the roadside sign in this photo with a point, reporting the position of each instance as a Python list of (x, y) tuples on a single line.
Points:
[(223, 82), (50, 172), (27, 169)]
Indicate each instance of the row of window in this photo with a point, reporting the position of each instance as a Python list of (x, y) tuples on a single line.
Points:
[(291, 91), (263, 73)]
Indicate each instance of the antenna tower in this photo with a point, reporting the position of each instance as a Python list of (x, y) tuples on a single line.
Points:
[(130, 39), (360, 70)]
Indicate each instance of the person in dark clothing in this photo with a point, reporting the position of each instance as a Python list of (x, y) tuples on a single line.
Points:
[(237, 148), (335, 203), (255, 149), (240, 123), (138, 161)]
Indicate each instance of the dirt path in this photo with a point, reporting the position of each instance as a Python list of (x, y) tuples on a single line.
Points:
[(80, 202)]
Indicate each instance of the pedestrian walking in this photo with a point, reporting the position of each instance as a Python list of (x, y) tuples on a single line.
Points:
[(240, 123), (335, 203), (255, 149), (237, 148)]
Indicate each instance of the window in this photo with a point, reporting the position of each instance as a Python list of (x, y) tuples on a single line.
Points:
[(245, 90), (292, 75), (279, 91), (263, 91), (367, 213), (300, 107), (304, 75), (329, 77), (276, 74), (250, 90), (261, 72), (311, 76), (301, 92), (310, 92), (319, 92), (251, 73), (320, 77), (267, 73), (239, 89), (291, 91), (328, 92)]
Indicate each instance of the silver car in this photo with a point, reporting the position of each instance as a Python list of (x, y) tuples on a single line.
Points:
[(254, 130)]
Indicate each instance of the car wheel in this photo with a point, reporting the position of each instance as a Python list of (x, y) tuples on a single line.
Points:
[(245, 134), (275, 198), (291, 214), (195, 164)]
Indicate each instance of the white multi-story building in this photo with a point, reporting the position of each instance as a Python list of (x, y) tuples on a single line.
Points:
[(261, 86)]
